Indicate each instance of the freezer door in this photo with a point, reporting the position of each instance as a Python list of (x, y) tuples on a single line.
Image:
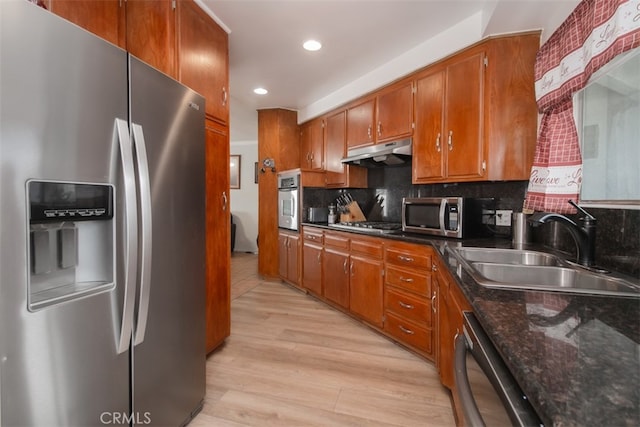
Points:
[(62, 90), (169, 358)]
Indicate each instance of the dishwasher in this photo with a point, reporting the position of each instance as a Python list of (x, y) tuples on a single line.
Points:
[(487, 392)]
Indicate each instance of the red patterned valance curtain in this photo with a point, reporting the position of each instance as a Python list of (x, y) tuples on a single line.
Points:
[(594, 33)]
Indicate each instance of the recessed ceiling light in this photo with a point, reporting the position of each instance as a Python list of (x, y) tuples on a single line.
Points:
[(312, 45), (260, 91)]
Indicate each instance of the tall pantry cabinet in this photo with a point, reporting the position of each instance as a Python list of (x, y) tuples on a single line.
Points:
[(181, 40)]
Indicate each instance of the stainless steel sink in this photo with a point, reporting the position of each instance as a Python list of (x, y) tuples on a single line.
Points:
[(551, 278), (532, 270), (508, 256)]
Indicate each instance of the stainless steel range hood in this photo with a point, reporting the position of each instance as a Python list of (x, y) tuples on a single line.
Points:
[(385, 154)]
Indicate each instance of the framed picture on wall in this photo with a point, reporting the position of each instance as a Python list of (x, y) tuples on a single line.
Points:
[(234, 170)]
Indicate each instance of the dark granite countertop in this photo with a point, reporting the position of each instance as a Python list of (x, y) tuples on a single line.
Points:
[(576, 357)]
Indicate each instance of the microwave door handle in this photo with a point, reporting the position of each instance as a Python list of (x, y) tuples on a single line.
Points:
[(443, 208), (463, 388), (131, 231)]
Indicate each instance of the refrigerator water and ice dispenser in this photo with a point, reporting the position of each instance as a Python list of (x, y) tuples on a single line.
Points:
[(71, 232)]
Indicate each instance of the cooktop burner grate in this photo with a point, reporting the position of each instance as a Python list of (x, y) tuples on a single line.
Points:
[(370, 226)]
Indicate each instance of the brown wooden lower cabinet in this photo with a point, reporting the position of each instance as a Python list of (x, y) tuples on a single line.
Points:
[(218, 235), (365, 288), (335, 269), (400, 289), (289, 256), (451, 304), (409, 296), (312, 239)]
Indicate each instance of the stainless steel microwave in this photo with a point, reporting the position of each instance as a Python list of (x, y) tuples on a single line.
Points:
[(458, 217)]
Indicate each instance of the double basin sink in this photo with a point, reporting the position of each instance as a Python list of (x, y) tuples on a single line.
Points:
[(533, 270)]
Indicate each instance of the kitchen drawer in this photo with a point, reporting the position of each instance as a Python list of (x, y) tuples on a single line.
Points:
[(418, 258), (371, 247), (414, 281), (408, 306), (340, 241), (312, 236), (408, 332)]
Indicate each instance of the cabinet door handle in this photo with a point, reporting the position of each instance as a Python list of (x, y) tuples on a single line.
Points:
[(405, 258), (351, 268), (405, 305), (434, 267), (225, 96), (344, 266), (433, 302), (406, 279), (450, 142), (405, 330), (438, 142), (319, 256), (379, 128), (224, 200), (369, 132)]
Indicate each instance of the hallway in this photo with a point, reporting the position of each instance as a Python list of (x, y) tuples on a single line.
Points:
[(293, 361)]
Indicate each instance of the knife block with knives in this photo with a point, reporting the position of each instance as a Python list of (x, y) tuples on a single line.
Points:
[(353, 213)]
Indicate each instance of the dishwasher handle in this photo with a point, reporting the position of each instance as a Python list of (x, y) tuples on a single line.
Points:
[(463, 388)]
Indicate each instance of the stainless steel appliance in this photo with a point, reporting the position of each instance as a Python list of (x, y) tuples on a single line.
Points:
[(372, 227), (385, 154), (102, 256), (318, 215), (289, 199), (458, 217), (487, 392)]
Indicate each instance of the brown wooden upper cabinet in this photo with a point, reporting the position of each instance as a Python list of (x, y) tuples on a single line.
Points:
[(337, 173), (105, 18), (476, 113), (146, 28), (203, 58), (312, 145), (151, 33), (387, 116), (447, 142), (177, 38)]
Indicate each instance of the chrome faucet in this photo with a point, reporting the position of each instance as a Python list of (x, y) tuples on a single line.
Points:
[(584, 235)]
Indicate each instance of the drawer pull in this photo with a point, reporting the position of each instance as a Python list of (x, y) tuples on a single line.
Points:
[(405, 258), (405, 305), (406, 279), (433, 302), (405, 330)]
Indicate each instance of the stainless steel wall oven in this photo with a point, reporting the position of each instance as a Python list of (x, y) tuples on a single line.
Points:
[(289, 199)]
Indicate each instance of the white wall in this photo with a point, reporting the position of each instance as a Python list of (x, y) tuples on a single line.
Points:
[(244, 201)]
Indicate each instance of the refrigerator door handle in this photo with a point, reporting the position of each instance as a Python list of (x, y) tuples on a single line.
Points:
[(131, 231), (145, 226)]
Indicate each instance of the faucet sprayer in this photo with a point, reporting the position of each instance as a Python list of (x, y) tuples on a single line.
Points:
[(584, 235)]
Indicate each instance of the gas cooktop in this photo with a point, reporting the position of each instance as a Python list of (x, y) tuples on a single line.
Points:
[(374, 227)]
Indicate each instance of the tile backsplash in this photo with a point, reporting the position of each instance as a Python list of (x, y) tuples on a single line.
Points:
[(618, 232)]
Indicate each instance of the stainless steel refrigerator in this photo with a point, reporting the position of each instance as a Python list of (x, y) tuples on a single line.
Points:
[(102, 256)]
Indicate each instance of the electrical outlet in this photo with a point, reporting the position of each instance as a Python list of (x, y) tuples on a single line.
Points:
[(503, 217)]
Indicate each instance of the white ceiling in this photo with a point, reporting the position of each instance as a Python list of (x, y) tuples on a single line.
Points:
[(366, 44)]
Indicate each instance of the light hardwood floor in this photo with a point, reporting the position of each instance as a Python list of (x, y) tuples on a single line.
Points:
[(293, 361)]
